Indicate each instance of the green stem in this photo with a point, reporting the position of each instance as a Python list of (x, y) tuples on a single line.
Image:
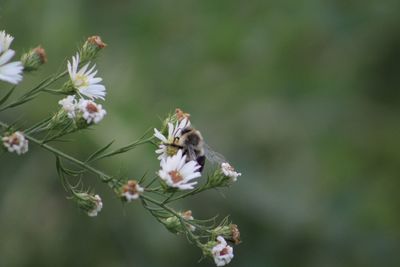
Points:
[(61, 154), (105, 178), (34, 91)]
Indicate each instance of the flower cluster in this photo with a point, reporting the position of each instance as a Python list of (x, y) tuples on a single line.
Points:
[(181, 161), (83, 83), (10, 72), (84, 109), (16, 142), (181, 150)]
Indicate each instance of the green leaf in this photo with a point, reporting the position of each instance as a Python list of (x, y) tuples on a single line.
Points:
[(5, 98), (98, 152)]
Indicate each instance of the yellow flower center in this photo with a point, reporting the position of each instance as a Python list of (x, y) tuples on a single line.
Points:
[(81, 80), (171, 150)]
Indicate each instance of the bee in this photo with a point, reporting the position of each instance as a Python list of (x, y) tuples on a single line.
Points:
[(192, 143)]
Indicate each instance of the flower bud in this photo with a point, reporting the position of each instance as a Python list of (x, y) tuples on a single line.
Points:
[(34, 59), (173, 224), (224, 176), (91, 47), (91, 204)]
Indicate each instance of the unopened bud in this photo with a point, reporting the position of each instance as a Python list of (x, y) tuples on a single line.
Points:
[(174, 225), (34, 59), (91, 47)]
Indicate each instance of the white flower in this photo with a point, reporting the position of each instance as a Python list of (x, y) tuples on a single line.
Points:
[(173, 134), (16, 142), (222, 253), (9, 72), (91, 111), (5, 41), (68, 104), (178, 173), (131, 190), (229, 171), (97, 208), (84, 79)]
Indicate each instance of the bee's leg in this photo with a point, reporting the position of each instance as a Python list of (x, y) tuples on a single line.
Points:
[(201, 160)]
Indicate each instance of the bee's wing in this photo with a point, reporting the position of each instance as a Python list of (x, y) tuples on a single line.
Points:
[(213, 156), (191, 153)]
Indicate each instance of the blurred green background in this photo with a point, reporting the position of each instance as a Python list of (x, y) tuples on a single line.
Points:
[(302, 97)]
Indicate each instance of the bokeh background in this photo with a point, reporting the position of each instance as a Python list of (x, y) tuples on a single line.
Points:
[(302, 97)]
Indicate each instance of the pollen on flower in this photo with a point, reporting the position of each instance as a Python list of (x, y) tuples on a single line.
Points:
[(91, 107), (16, 142), (175, 176)]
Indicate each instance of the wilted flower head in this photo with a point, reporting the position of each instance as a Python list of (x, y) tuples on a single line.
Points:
[(91, 47), (178, 173), (84, 81), (34, 59), (96, 41), (91, 112), (69, 105), (174, 132), (89, 203), (98, 205), (180, 115), (131, 190), (16, 142), (228, 231), (235, 233), (9, 71), (229, 171), (187, 215), (222, 253)]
